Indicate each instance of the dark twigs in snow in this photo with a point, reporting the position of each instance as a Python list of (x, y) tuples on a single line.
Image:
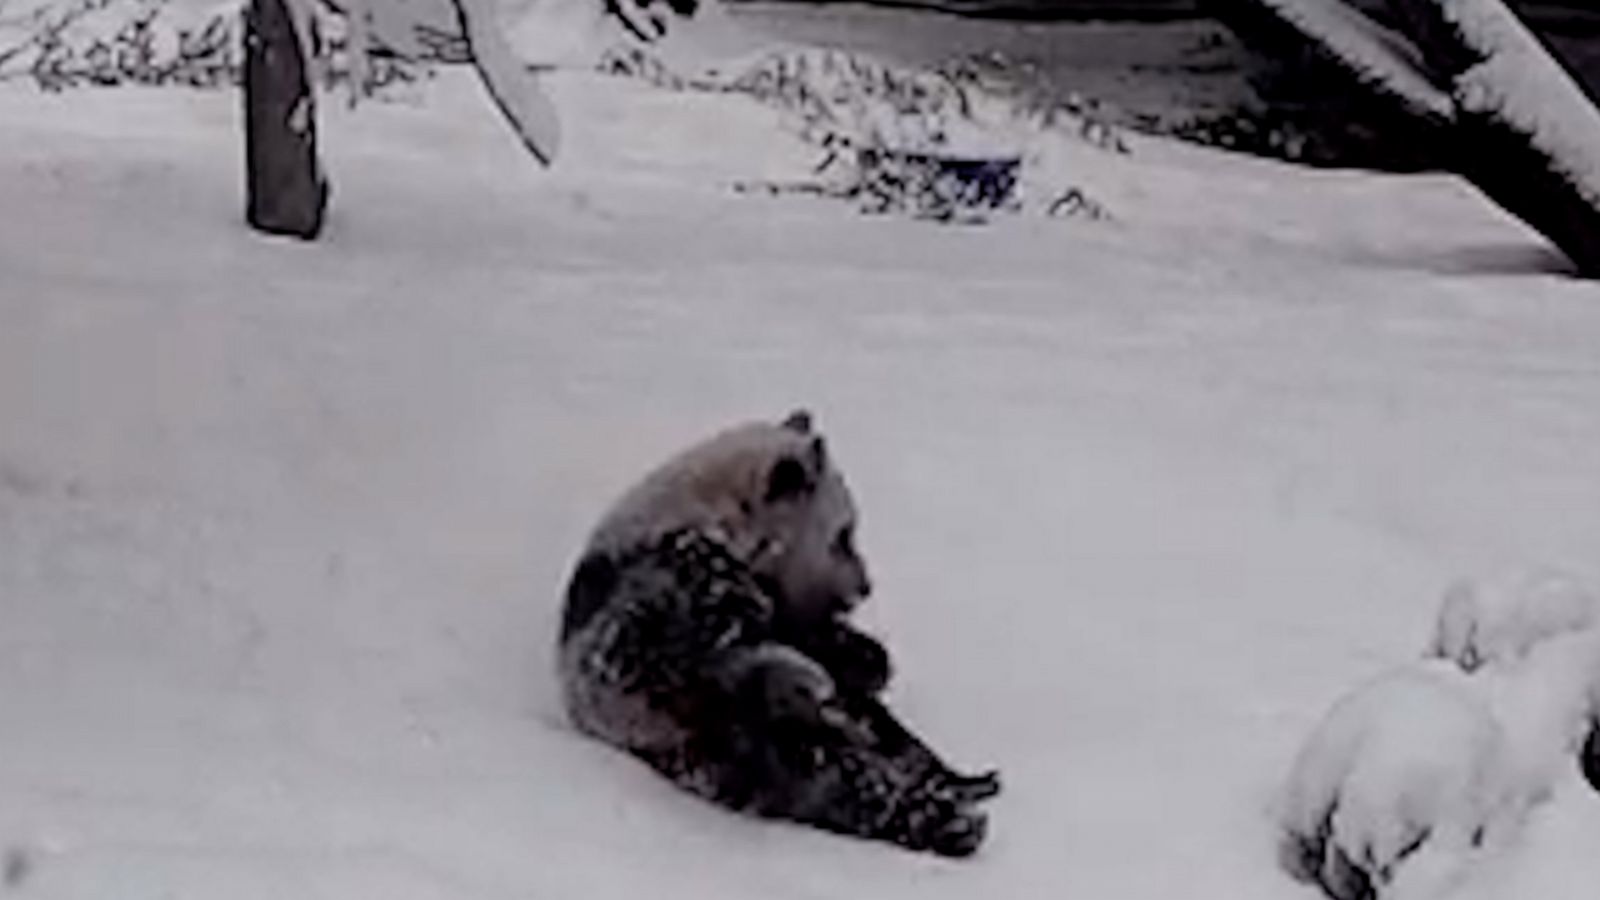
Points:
[(928, 185), (111, 42), (647, 19), (1074, 202), (931, 145), (286, 190)]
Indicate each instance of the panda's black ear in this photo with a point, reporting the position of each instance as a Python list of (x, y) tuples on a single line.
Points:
[(817, 456), (798, 421), (788, 478)]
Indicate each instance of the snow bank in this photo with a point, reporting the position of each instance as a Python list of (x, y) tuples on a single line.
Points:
[(282, 528)]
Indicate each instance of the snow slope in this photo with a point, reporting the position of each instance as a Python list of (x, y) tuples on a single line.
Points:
[(283, 526)]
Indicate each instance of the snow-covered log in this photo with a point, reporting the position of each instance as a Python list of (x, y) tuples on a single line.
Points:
[(286, 191), (1528, 135), (1345, 75)]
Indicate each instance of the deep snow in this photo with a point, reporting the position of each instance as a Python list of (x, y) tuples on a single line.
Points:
[(283, 526)]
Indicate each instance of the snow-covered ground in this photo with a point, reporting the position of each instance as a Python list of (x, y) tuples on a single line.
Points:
[(283, 526)]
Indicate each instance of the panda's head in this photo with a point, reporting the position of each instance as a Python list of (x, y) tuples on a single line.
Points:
[(804, 519), (770, 489)]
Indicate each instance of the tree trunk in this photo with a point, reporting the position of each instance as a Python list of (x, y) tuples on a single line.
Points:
[(286, 191)]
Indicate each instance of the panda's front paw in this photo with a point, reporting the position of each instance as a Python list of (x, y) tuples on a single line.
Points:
[(860, 664), (939, 822)]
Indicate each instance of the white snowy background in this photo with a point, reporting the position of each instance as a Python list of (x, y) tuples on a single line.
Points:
[(283, 526)]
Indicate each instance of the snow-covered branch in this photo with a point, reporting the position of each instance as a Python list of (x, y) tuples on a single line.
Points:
[(1502, 110)]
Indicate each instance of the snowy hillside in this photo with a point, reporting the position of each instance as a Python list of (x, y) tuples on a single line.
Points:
[(283, 525)]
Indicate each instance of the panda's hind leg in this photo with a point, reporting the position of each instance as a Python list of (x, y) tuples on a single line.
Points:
[(789, 750), (893, 739)]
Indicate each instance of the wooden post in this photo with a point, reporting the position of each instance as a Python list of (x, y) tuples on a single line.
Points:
[(286, 192)]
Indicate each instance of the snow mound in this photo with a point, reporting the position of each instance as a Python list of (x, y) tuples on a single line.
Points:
[(1549, 702), (1403, 782), (1414, 777), (1482, 622)]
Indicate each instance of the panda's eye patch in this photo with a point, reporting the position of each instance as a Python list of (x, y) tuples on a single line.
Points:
[(844, 543)]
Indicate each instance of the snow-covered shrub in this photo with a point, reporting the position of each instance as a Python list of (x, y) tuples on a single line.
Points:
[(106, 43), (111, 42), (830, 93), (1035, 99), (930, 144), (933, 186), (1262, 131), (1399, 786), (1485, 622)]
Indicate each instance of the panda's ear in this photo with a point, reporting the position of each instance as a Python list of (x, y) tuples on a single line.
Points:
[(788, 478), (817, 456), (798, 421)]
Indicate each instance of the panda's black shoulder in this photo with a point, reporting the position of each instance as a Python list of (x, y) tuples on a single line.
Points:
[(693, 571)]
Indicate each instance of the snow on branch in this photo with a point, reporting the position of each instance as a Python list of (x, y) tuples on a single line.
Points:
[(1374, 56), (1530, 135), (1347, 82), (1505, 114)]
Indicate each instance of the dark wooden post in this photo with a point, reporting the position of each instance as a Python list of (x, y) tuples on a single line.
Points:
[(286, 192)]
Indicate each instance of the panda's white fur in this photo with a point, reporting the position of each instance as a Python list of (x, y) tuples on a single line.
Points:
[(725, 484)]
